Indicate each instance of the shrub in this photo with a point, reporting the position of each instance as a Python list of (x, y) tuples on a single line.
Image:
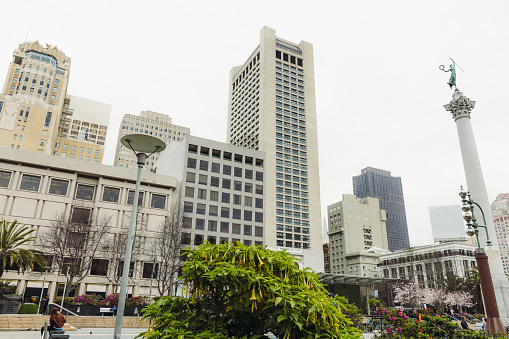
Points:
[(28, 309), (88, 299), (68, 300)]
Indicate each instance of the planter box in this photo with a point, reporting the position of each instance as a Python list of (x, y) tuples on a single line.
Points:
[(94, 310)]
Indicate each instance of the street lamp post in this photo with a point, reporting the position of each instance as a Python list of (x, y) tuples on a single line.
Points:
[(493, 322), (46, 269), (65, 287), (140, 144)]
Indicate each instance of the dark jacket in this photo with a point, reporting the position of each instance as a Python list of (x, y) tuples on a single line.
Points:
[(57, 320), (464, 325)]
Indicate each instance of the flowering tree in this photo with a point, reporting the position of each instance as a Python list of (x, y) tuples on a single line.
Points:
[(408, 294)]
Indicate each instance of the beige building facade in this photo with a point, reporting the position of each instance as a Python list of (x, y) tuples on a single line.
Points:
[(357, 235), (150, 123), (36, 113), (35, 189), (272, 108)]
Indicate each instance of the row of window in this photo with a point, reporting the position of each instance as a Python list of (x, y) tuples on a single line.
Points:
[(227, 198), (224, 212), (83, 192), (200, 239), (239, 158), (227, 169), (226, 183), (224, 227)]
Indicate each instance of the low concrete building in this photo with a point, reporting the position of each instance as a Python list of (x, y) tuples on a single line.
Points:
[(430, 265), (35, 189)]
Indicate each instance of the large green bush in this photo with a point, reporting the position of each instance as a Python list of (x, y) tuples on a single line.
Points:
[(245, 292), (28, 309)]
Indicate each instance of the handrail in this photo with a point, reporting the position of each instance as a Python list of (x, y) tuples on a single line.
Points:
[(77, 315)]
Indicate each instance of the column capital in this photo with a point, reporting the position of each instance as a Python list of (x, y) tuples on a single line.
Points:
[(460, 106)]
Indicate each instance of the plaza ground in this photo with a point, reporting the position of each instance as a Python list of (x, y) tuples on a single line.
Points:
[(83, 333)]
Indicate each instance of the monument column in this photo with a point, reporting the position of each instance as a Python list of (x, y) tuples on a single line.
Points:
[(460, 108)]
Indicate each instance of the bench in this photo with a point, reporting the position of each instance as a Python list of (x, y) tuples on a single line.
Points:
[(103, 310), (58, 334)]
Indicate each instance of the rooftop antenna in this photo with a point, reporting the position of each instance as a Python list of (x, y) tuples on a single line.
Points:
[(28, 33)]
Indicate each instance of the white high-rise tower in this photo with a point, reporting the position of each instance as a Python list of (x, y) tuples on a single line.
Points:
[(272, 108)]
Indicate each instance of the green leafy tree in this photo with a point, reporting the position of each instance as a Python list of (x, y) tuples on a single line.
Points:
[(245, 292), (12, 236)]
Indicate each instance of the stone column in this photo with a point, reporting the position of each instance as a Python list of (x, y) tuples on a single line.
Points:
[(460, 108)]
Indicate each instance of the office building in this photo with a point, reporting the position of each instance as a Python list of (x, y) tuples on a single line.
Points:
[(447, 223), (272, 108), (37, 115), (500, 211), (150, 123), (37, 189), (357, 235), (222, 190), (380, 184), (430, 265)]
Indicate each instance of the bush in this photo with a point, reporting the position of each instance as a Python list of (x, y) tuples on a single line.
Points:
[(68, 300), (88, 299), (28, 309)]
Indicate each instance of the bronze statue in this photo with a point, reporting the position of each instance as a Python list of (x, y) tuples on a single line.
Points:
[(452, 78)]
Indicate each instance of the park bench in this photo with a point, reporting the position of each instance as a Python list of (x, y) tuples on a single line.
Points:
[(103, 310)]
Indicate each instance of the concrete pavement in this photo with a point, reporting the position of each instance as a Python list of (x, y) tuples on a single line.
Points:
[(84, 333)]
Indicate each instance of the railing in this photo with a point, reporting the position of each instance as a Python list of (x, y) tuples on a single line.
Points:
[(71, 312)]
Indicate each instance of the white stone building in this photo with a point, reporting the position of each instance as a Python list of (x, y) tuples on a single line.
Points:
[(35, 189)]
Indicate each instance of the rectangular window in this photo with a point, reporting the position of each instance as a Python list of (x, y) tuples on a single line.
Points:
[(130, 198), (189, 192), (237, 185), (225, 227), (202, 179), (248, 188), (236, 214), (148, 269), (226, 183), (204, 165), (47, 120), (191, 163), (213, 210), (111, 194), (247, 229), (202, 194), (236, 228), (200, 224), (186, 238), (248, 201), (85, 192), (214, 181), (214, 196), (237, 171), (5, 178), (30, 183), (200, 208), (99, 267), (258, 203), (258, 216), (211, 240), (225, 197), (58, 187), (187, 222), (216, 168), (249, 174), (188, 207), (258, 231), (198, 239), (158, 201), (237, 200), (81, 215), (191, 177), (225, 212), (212, 225), (259, 189), (248, 216), (259, 176), (227, 170)]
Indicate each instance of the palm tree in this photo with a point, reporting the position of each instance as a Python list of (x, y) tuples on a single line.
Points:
[(12, 236)]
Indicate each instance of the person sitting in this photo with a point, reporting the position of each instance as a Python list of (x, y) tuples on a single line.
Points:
[(464, 324), (56, 321)]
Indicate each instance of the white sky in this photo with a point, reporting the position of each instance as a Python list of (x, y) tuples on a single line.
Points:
[(379, 91)]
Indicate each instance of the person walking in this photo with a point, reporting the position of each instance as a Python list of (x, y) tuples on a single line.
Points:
[(44, 304)]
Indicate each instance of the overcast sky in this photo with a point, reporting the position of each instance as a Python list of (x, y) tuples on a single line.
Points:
[(379, 91)]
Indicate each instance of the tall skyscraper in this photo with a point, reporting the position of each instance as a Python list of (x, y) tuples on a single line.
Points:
[(37, 115), (500, 211), (272, 108), (380, 184), (150, 123)]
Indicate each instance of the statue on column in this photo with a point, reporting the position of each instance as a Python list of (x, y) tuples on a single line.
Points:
[(452, 78)]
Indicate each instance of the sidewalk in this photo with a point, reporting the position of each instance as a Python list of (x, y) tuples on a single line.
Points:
[(84, 333)]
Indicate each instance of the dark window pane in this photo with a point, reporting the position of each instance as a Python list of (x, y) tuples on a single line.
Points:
[(187, 222), (191, 163), (225, 197), (189, 192), (237, 172), (226, 183), (211, 240), (111, 194), (198, 239), (237, 199), (186, 238), (188, 207), (225, 227), (202, 179), (227, 170), (191, 177), (248, 215), (237, 185), (200, 208), (80, 215), (30, 183), (214, 196), (216, 168), (204, 165), (58, 187), (259, 176), (236, 228), (258, 231), (85, 192), (248, 188), (130, 198), (99, 267), (158, 201), (225, 212), (148, 268), (236, 214), (213, 225), (214, 181), (213, 210), (249, 174), (5, 178), (258, 216), (259, 189), (259, 203), (247, 229), (200, 224)]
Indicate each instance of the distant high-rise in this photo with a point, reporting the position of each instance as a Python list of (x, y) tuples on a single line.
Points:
[(272, 108), (150, 123), (37, 115), (447, 223), (380, 184), (500, 211)]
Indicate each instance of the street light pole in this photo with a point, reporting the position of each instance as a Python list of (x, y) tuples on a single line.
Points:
[(493, 322), (140, 144), (42, 290), (65, 287)]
